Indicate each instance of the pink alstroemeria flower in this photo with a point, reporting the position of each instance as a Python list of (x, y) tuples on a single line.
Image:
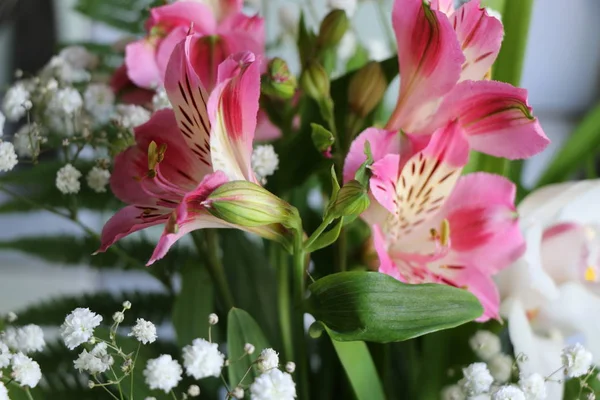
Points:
[(219, 29), (430, 225), (182, 155), (444, 56)]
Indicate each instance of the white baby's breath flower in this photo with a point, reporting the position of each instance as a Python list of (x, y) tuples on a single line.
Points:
[(202, 359), (79, 327), (99, 101), (11, 317), (129, 116), (534, 386), (26, 140), (90, 363), (485, 344), (61, 68), (500, 367), (249, 348), (97, 179), (14, 100), (118, 317), (65, 101), (5, 356), (267, 360), (453, 392), (273, 385), (8, 157), (160, 100), (193, 391), (509, 392), (477, 379), (67, 179), (349, 6), (144, 331), (78, 57), (3, 392), (238, 393), (264, 161), (162, 373), (577, 361), (26, 339), (25, 371), (213, 319)]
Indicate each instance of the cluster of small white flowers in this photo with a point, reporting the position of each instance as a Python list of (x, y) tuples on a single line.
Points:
[(67, 179), (534, 386), (3, 392), (508, 392), (96, 361), (16, 101), (26, 339), (577, 361), (264, 161), (79, 327), (202, 359), (97, 179), (129, 116), (163, 373), (349, 6), (477, 379), (453, 392), (160, 100), (193, 391), (144, 331), (273, 385), (500, 367), (26, 140), (25, 371), (268, 359), (8, 156), (5, 355), (70, 65), (99, 101), (65, 101)]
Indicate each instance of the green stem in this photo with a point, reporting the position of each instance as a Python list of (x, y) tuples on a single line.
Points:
[(118, 382), (214, 264), (300, 339), (28, 393), (317, 233), (132, 369), (280, 262)]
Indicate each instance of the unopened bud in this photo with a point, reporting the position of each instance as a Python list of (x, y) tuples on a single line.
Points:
[(333, 27), (314, 81), (322, 138), (193, 391), (249, 348), (249, 205), (279, 82), (213, 319), (118, 317), (127, 304), (238, 393), (290, 367), (91, 384), (11, 317), (366, 89), (351, 200)]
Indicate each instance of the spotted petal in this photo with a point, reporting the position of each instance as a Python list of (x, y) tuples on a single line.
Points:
[(189, 99), (480, 37)]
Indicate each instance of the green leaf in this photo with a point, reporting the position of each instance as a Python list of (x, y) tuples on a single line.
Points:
[(322, 138), (126, 15), (375, 307), (360, 369), (193, 304), (577, 149), (242, 329), (155, 307), (252, 279)]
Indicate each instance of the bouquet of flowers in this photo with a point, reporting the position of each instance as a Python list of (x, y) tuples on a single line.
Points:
[(310, 242)]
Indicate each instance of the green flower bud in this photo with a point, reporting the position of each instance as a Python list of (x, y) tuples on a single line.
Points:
[(351, 200), (366, 89), (247, 204), (278, 82), (322, 138), (333, 27), (314, 81)]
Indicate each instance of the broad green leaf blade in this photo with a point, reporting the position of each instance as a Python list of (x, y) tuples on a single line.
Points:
[(126, 15), (193, 304), (360, 369), (375, 307), (577, 149), (242, 329)]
